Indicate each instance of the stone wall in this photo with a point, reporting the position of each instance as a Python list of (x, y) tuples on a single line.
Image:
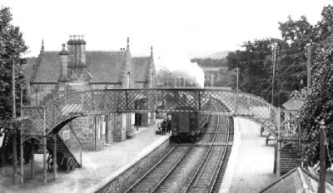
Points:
[(40, 92), (119, 127), (84, 129)]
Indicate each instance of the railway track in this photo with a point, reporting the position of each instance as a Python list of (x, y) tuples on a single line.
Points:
[(207, 175), (152, 179), (190, 167)]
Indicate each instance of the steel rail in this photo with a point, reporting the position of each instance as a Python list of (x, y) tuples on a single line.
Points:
[(215, 175), (205, 158), (211, 189), (172, 169), (176, 165), (149, 171)]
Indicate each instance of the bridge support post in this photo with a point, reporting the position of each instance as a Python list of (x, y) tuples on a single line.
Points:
[(32, 158), (279, 140), (235, 103), (44, 161), (44, 150), (55, 157)]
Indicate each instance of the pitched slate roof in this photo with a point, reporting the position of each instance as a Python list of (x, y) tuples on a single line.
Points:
[(103, 66), (297, 180), (28, 68), (140, 66), (47, 68)]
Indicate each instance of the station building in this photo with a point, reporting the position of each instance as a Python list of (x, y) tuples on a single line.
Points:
[(55, 74)]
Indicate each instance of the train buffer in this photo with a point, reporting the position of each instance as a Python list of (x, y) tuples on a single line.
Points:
[(65, 159)]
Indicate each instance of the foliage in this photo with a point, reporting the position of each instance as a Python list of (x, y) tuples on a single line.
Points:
[(221, 78), (167, 78), (12, 46), (318, 103), (209, 62), (255, 63)]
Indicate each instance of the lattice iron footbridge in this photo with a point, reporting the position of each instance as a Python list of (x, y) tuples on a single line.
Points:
[(45, 122), (59, 112)]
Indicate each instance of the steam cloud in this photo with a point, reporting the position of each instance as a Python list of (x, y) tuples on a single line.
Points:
[(179, 63)]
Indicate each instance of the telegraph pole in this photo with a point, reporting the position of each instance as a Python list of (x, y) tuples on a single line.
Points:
[(274, 47), (237, 79), (308, 46), (14, 118)]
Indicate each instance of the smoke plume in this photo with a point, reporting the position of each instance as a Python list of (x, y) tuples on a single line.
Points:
[(178, 63)]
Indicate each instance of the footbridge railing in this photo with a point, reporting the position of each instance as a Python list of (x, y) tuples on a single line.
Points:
[(45, 119)]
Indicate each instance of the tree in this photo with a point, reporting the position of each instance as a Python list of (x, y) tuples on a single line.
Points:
[(12, 47), (318, 103)]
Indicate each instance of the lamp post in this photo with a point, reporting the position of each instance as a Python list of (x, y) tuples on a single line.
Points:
[(14, 117)]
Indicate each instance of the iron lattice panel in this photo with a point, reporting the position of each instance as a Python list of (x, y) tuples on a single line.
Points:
[(257, 109), (147, 100), (35, 123)]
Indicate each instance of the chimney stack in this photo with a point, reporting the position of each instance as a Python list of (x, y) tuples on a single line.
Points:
[(127, 48), (64, 64), (151, 51), (77, 51)]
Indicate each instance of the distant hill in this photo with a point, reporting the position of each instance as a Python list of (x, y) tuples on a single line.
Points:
[(218, 55)]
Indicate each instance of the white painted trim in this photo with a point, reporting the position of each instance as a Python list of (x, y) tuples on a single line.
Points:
[(229, 172)]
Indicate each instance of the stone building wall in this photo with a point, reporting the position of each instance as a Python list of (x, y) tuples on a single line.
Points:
[(84, 129), (42, 93)]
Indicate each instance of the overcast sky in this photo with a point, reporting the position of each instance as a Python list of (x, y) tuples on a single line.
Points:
[(201, 27)]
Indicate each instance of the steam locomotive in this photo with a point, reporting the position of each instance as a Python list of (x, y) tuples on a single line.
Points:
[(186, 126)]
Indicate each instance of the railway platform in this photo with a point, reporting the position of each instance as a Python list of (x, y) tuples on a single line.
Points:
[(250, 165), (98, 167)]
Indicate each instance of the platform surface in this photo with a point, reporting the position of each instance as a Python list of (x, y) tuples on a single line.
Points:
[(97, 166), (251, 163)]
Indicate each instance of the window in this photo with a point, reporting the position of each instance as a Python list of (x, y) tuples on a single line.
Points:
[(128, 79), (98, 129), (103, 125)]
